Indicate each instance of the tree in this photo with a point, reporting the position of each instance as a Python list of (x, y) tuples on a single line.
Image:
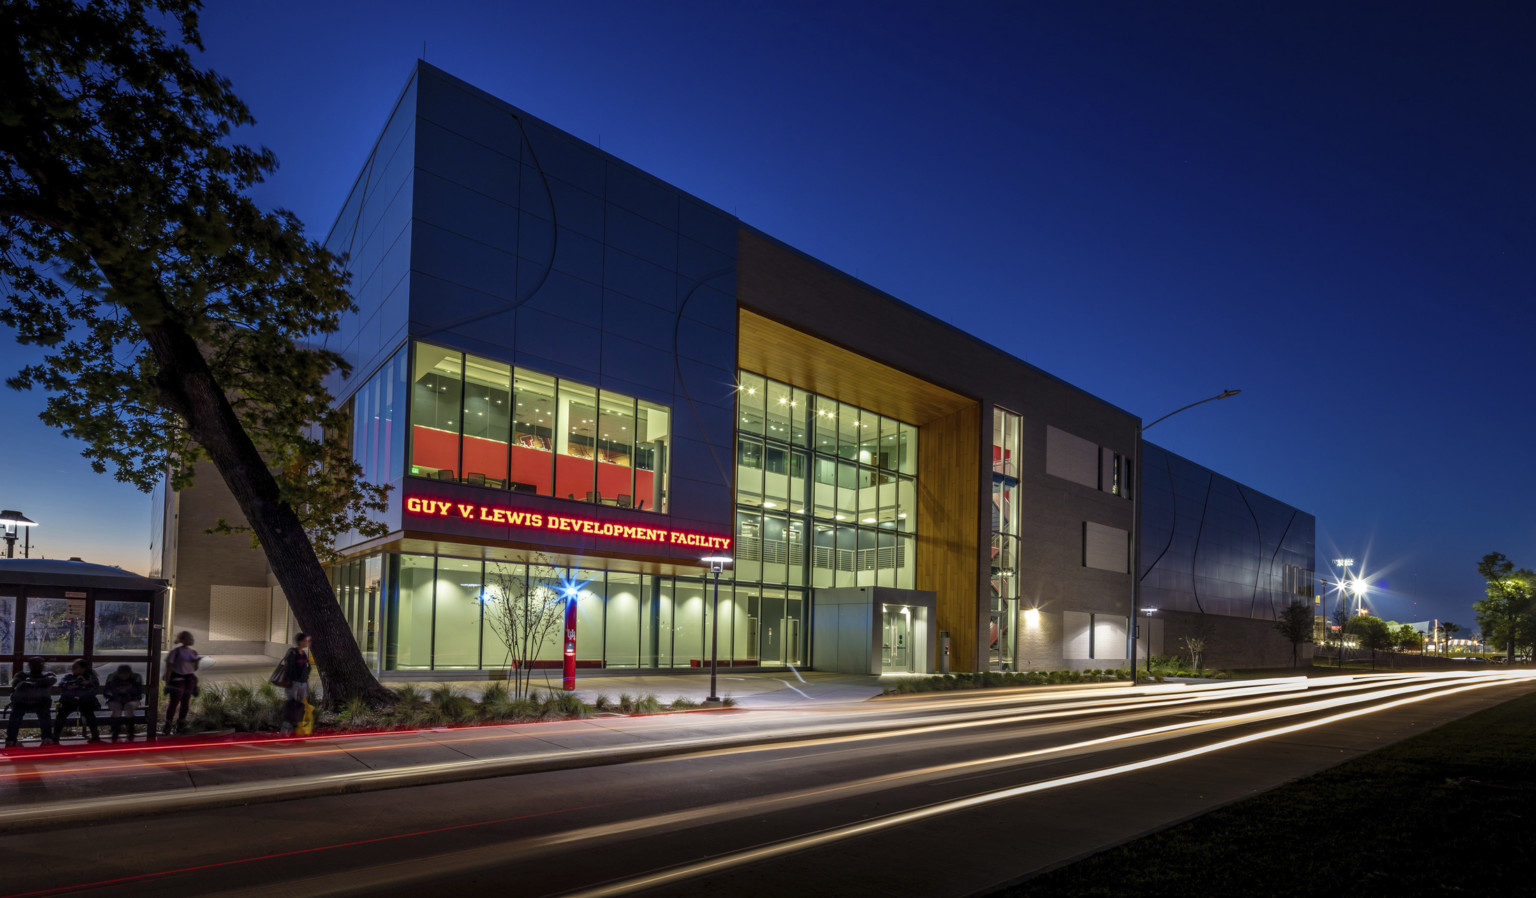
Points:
[(1505, 616), (178, 320), (1195, 645), (1340, 618), (1295, 624), (1447, 630), (525, 608), (1373, 633), (1406, 638)]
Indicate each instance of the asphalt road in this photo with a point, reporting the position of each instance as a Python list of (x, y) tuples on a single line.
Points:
[(948, 796)]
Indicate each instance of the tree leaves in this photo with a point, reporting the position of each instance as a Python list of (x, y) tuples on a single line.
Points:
[(123, 215)]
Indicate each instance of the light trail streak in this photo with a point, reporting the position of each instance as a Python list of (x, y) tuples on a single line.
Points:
[(802, 843), (467, 860), (22, 817), (898, 727), (1112, 698), (353, 781)]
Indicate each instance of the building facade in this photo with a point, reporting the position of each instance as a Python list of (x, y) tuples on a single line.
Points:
[(1219, 562), (579, 381)]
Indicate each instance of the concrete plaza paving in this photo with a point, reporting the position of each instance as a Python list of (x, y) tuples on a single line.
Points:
[(787, 688)]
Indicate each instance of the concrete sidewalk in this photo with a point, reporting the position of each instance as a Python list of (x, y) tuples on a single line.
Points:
[(778, 689)]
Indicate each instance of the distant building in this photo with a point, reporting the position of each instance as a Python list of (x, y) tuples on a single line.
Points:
[(559, 356)]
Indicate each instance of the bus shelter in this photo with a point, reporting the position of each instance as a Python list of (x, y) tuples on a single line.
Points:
[(63, 611)]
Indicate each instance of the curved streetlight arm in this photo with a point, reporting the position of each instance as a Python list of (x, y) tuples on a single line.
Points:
[(1225, 394), (1136, 535)]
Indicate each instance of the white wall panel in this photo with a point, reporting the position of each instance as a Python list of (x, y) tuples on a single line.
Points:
[(1106, 548), (1108, 637), (1076, 634), (1071, 457)]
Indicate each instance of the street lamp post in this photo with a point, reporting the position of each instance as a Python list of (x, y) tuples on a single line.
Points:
[(1344, 564), (1135, 488), (1148, 612), (11, 520), (716, 564)]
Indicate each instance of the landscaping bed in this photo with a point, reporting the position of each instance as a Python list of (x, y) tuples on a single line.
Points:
[(256, 709)]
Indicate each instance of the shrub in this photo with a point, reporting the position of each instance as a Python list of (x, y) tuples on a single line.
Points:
[(448, 705), (357, 715), (237, 706), (496, 703)]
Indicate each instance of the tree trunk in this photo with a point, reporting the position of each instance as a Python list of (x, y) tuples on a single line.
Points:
[(188, 387)]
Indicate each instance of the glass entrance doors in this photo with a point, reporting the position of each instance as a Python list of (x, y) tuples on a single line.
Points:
[(896, 651), (1000, 652)]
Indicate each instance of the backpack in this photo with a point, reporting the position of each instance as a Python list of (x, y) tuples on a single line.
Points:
[(32, 690)]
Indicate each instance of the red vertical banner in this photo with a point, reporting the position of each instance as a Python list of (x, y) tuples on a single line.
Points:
[(570, 643)]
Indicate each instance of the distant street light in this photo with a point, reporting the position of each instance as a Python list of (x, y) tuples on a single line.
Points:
[(1344, 564), (1135, 488), (1358, 588)]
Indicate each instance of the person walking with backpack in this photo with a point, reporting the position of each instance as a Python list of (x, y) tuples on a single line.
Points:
[(297, 665), (78, 693), (124, 691), (180, 681), (30, 694)]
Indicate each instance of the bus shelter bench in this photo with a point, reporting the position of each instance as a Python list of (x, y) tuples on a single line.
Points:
[(104, 718)]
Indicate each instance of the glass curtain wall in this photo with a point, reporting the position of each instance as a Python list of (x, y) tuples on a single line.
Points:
[(439, 613), (378, 412), (826, 495), (1005, 540), (485, 423)]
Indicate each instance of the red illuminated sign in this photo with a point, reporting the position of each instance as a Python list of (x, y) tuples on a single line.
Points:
[(533, 520)]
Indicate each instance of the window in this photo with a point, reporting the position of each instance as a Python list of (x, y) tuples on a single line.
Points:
[(825, 495), (485, 423), (653, 430), (533, 433), (487, 419), (576, 441), (121, 627), (378, 419), (437, 381)]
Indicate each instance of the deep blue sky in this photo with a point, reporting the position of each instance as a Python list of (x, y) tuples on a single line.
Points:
[(1328, 206)]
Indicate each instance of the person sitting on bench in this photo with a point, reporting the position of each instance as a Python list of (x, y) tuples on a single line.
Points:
[(30, 694), (78, 693), (124, 690)]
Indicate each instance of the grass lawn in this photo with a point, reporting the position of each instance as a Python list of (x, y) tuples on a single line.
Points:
[(1450, 811)]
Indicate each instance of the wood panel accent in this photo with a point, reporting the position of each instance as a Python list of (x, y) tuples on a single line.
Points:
[(949, 522), (782, 353)]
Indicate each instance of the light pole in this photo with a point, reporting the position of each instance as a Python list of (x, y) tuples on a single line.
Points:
[(1136, 525), (11, 520), (1344, 565), (1148, 612), (716, 564)]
